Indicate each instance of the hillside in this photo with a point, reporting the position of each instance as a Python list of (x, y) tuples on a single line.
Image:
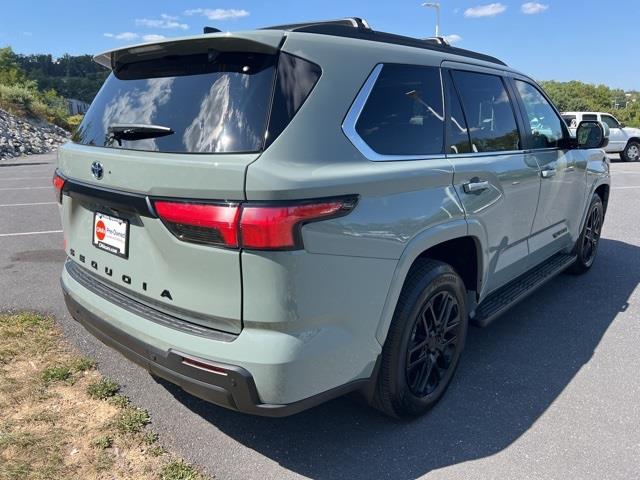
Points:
[(19, 136)]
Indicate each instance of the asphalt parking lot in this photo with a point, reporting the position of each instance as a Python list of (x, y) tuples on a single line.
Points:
[(551, 390)]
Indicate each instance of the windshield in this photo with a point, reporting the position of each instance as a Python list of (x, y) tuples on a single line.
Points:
[(212, 102)]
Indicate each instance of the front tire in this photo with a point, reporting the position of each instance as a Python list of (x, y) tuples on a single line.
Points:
[(424, 343), (587, 245), (631, 152)]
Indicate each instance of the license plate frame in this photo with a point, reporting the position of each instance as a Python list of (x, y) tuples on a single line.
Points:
[(108, 236)]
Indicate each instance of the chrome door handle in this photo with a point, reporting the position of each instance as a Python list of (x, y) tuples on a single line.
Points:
[(474, 187), (548, 173)]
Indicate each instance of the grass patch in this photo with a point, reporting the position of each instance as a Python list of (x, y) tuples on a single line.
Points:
[(55, 422), (102, 442), (119, 400), (132, 420), (82, 364), (102, 389), (178, 470), (57, 373)]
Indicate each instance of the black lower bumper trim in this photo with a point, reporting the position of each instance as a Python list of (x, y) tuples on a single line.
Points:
[(236, 390)]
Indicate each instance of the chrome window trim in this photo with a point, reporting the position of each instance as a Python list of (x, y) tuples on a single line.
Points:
[(351, 119)]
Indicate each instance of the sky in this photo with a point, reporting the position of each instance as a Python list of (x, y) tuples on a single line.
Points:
[(563, 40)]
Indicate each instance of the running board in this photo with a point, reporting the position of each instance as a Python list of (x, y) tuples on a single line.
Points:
[(520, 288)]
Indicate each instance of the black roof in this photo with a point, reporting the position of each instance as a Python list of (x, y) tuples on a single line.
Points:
[(359, 29)]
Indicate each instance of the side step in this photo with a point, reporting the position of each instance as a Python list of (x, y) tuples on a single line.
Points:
[(506, 297)]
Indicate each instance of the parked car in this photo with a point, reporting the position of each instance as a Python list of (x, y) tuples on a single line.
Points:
[(273, 218), (622, 139)]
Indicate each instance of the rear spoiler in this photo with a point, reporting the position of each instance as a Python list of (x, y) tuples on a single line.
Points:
[(262, 41)]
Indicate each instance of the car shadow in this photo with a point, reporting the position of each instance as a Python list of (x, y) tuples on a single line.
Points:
[(511, 372)]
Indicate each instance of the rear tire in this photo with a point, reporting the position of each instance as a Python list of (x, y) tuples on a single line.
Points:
[(587, 245), (424, 343), (631, 152)]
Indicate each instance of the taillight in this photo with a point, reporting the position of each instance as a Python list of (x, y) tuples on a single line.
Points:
[(212, 224), (58, 183), (251, 226), (276, 228)]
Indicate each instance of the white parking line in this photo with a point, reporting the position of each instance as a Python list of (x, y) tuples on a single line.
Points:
[(28, 178), (27, 204), (28, 233), (27, 188), (625, 188)]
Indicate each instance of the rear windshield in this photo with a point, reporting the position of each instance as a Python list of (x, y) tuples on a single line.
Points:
[(212, 102)]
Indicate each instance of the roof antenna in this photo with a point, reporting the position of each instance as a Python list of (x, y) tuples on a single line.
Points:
[(210, 30)]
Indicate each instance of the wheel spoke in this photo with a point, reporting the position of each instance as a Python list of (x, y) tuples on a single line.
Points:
[(418, 347)]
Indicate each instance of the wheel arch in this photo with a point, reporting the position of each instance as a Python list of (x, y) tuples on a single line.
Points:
[(450, 243)]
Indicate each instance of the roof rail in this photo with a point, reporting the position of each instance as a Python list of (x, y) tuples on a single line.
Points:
[(358, 29), (351, 22), (437, 41)]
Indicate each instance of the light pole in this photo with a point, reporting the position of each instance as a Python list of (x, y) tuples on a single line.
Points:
[(437, 7)]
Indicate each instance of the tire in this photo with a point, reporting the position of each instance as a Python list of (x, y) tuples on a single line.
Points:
[(587, 245), (631, 152), (431, 290)]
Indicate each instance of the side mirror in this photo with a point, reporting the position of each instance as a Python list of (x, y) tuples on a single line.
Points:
[(592, 134), (622, 125)]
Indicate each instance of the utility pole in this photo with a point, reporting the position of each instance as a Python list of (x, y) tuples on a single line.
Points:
[(437, 8)]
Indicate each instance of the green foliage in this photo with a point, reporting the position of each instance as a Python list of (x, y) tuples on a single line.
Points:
[(119, 401), (178, 470), (82, 364), (10, 71), (102, 389), (57, 373), (132, 420), (74, 121), (579, 96), (149, 438), (102, 442)]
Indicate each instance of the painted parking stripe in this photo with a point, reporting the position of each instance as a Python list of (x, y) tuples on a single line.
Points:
[(27, 204), (626, 188), (6, 179), (19, 234), (27, 188)]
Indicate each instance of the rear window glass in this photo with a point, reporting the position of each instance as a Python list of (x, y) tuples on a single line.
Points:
[(570, 120), (212, 102), (403, 114)]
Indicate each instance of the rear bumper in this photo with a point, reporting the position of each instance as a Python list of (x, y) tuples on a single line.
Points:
[(234, 389)]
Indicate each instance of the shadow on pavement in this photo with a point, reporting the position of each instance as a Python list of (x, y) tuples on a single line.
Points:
[(510, 374)]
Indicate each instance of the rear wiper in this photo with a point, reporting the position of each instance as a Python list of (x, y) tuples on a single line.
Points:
[(136, 131)]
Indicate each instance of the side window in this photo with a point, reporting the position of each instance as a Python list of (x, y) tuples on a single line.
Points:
[(610, 121), (488, 110), (457, 131), (589, 117), (570, 120), (546, 126), (404, 114)]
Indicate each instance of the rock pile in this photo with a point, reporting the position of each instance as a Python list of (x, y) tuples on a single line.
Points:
[(19, 136)]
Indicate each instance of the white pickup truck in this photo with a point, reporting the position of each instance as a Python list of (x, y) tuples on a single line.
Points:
[(622, 140)]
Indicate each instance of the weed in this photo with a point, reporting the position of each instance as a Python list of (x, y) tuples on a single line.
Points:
[(103, 389), (132, 420), (102, 442), (57, 373), (178, 470)]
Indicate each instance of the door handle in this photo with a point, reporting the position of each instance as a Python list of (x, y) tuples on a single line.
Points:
[(548, 173), (474, 187)]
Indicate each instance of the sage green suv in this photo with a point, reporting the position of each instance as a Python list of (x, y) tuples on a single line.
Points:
[(273, 218)]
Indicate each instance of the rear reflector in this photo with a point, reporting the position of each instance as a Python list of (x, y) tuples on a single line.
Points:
[(200, 222), (251, 226), (58, 183), (201, 365)]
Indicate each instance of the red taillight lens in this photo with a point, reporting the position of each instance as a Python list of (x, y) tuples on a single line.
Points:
[(257, 227), (58, 183), (201, 222), (274, 228)]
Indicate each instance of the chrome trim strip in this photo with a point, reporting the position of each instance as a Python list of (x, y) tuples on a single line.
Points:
[(351, 119)]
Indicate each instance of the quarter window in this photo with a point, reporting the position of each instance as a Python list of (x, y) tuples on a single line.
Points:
[(488, 110), (545, 125), (403, 114)]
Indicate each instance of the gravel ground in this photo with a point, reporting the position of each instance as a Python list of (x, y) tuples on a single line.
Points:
[(550, 390)]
